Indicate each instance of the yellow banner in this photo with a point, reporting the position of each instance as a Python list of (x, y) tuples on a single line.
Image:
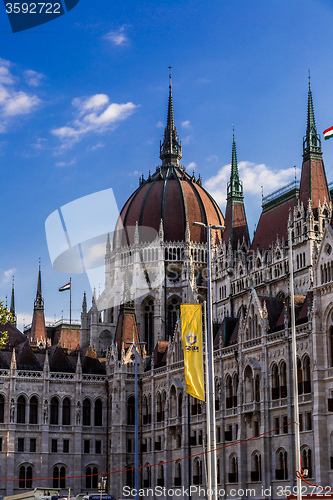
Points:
[(190, 317)]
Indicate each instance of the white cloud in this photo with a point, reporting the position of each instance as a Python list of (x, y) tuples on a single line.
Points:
[(191, 166), (65, 163), (93, 115), (159, 125), (33, 78), (187, 139), (186, 124), (7, 276), (14, 101), (40, 144), (96, 146), (118, 37), (253, 177)]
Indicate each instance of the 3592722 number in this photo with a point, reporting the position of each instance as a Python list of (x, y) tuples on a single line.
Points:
[(33, 8)]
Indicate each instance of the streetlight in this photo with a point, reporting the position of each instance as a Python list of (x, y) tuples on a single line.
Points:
[(136, 445), (211, 435)]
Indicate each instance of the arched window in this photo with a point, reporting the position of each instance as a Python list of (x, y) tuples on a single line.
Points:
[(256, 467), (86, 412), (180, 404), (21, 410), (66, 412), (91, 478), (147, 476), (130, 476), (173, 402), (248, 385), (148, 312), (233, 467), (2, 409), (275, 382), (59, 474), (33, 410), (98, 413), (160, 473), (131, 410), (257, 388), (229, 393), (299, 376), (281, 471), (173, 308), (25, 476), (307, 375), (54, 413), (283, 380), (178, 474), (197, 472), (307, 461)]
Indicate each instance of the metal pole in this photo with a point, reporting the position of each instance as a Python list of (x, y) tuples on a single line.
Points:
[(211, 371), (70, 301), (295, 384), (208, 454), (136, 459)]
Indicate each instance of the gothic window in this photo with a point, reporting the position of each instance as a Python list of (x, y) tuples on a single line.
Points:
[(59, 474), (281, 471), (33, 410), (91, 478), (86, 412), (299, 376), (25, 476), (306, 375), (233, 468), (160, 473), (54, 411), (131, 410), (330, 340), (275, 382), (172, 308), (147, 476), (2, 409), (66, 412), (180, 404), (148, 312), (256, 467), (257, 388), (234, 389), (21, 403), (98, 412), (173, 402), (283, 380), (307, 460), (197, 471), (130, 475), (178, 474), (248, 385)]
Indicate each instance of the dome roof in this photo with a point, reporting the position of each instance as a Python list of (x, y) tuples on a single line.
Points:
[(176, 198), (170, 195)]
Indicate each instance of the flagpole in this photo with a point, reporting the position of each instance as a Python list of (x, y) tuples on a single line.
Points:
[(208, 454), (294, 358), (70, 301)]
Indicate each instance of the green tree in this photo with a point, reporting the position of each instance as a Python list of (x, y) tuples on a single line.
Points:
[(5, 316)]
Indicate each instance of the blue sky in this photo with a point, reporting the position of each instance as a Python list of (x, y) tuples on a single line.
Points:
[(83, 102)]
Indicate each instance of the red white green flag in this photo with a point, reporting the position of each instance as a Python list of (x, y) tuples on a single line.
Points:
[(328, 133), (65, 287)]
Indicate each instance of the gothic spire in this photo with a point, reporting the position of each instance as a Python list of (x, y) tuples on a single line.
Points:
[(235, 186), (311, 141), (236, 229), (39, 302), (12, 305), (171, 148)]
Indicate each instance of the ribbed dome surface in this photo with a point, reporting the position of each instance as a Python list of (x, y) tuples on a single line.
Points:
[(174, 196)]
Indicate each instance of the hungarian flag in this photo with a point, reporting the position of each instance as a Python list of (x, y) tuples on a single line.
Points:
[(65, 287), (328, 133), (191, 326)]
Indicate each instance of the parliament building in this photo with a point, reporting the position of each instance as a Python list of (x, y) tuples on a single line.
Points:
[(67, 402)]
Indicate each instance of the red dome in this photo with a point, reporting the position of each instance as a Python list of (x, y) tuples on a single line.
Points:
[(174, 196)]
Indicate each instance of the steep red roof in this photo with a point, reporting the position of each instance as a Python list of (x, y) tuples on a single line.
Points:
[(235, 224), (126, 328), (313, 183)]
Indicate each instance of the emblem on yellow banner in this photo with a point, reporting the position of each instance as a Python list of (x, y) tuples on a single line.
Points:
[(191, 322)]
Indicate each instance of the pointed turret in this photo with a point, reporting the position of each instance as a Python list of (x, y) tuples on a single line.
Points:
[(171, 148), (12, 305), (38, 332), (235, 218), (313, 178)]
